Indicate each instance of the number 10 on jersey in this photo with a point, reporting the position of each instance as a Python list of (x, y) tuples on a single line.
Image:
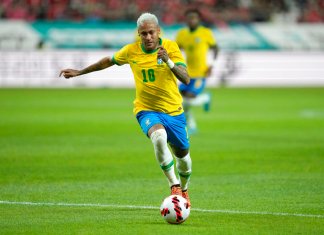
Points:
[(150, 74)]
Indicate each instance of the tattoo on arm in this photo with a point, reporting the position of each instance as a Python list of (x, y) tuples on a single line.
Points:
[(181, 73)]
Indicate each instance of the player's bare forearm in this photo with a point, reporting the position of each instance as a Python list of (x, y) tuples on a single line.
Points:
[(100, 65), (215, 50), (181, 73)]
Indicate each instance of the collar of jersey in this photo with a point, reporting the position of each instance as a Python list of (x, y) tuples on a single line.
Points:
[(150, 52), (195, 30)]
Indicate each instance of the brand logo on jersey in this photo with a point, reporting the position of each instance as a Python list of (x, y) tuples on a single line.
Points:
[(134, 62), (147, 122)]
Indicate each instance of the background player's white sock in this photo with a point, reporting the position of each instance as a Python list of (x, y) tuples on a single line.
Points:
[(191, 121), (198, 100), (184, 169), (163, 155)]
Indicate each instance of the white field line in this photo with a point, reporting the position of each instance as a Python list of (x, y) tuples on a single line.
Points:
[(156, 208)]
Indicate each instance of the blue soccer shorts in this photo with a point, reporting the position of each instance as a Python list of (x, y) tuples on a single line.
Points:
[(196, 86), (175, 126)]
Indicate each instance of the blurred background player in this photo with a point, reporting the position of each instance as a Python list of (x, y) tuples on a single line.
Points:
[(156, 64), (196, 40)]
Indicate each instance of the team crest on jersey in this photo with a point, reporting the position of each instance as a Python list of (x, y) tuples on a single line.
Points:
[(159, 61), (197, 40), (147, 122)]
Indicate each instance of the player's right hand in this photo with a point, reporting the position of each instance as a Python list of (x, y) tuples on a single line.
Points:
[(162, 54), (69, 73)]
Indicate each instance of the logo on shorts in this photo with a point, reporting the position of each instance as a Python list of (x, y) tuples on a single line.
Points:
[(147, 122)]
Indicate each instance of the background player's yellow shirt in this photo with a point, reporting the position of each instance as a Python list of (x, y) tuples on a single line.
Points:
[(196, 45), (156, 85)]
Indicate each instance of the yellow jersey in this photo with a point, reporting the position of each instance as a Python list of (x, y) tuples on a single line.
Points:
[(156, 85), (196, 45)]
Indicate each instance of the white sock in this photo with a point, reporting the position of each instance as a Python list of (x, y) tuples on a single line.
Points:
[(198, 100), (191, 121), (163, 155), (184, 169)]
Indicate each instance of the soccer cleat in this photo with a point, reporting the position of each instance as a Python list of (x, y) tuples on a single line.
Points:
[(186, 196), (176, 190), (207, 104)]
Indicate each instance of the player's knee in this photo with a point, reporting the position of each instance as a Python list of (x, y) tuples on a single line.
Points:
[(159, 140), (184, 165), (179, 153)]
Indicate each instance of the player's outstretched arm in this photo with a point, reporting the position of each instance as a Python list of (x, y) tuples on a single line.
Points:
[(179, 71), (100, 65)]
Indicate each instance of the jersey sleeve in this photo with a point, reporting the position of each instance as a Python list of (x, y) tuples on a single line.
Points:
[(210, 38), (175, 54), (121, 56)]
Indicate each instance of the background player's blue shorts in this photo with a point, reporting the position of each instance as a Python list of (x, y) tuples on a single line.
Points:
[(195, 86), (175, 126)]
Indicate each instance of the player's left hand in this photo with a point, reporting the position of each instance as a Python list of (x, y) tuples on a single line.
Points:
[(162, 54)]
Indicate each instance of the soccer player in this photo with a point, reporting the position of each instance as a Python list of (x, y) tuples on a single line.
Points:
[(196, 40), (156, 65)]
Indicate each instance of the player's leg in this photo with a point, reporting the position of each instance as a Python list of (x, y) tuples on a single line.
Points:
[(187, 94), (153, 127), (184, 167), (201, 99), (191, 121), (196, 96), (179, 142), (163, 155)]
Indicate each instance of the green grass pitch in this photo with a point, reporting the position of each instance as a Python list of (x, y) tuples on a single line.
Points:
[(258, 164)]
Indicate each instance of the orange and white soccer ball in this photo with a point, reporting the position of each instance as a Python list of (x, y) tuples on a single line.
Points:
[(174, 209)]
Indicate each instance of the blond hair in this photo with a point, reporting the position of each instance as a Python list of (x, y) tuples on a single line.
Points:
[(147, 17)]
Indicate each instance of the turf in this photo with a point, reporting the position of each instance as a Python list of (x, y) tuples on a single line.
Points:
[(257, 150)]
